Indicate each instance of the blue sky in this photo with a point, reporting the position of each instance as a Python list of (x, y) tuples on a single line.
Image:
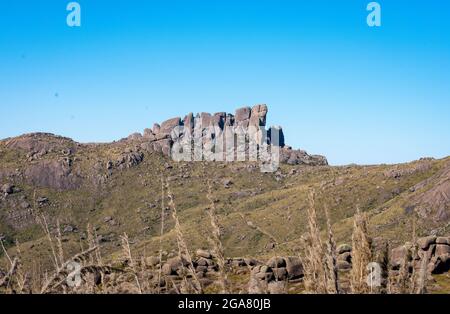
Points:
[(339, 88)]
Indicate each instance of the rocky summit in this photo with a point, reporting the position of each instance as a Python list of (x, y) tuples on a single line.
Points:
[(137, 221), (161, 137)]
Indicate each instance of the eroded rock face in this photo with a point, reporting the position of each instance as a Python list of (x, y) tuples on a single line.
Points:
[(434, 203), (56, 174), (168, 125)]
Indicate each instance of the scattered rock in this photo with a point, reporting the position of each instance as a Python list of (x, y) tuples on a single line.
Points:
[(344, 248), (424, 243), (69, 229), (276, 262), (227, 183), (443, 240), (152, 261), (42, 201), (294, 267), (346, 257), (174, 265), (342, 265), (8, 188), (280, 274), (203, 253)]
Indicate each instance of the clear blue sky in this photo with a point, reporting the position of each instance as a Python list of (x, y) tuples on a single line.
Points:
[(339, 88)]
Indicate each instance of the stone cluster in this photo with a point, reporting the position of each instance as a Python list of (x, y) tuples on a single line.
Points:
[(436, 250), (160, 137)]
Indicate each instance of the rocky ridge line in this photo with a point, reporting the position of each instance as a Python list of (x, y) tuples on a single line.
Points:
[(159, 137)]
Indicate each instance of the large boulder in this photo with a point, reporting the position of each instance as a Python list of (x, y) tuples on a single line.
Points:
[(242, 115), (442, 249), (426, 242), (439, 264), (294, 267), (344, 248), (262, 273), (258, 115), (280, 274), (343, 266), (168, 125), (398, 256), (443, 240), (203, 253), (163, 146), (174, 265), (276, 262), (346, 257), (300, 157), (149, 135)]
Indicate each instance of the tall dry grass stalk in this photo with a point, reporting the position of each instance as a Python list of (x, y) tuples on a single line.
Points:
[(6, 280), (183, 251), (50, 284), (59, 242), (215, 240), (331, 259), (42, 221), (127, 254), (315, 279), (21, 277), (361, 254), (163, 207), (14, 265)]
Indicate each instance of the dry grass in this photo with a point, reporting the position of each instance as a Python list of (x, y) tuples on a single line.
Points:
[(319, 259), (183, 251), (361, 254), (216, 241)]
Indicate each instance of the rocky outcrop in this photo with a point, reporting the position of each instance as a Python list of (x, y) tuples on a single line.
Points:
[(436, 251), (56, 174), (300, 157), (433, 202), (41, 144), (272, 276), (161, 137)]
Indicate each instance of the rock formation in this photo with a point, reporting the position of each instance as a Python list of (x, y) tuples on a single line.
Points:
[(161, 137)]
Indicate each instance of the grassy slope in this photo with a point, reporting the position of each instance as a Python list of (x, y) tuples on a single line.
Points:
[(271, 211)]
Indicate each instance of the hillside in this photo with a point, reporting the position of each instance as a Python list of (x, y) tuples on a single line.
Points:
[(117, 188)]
